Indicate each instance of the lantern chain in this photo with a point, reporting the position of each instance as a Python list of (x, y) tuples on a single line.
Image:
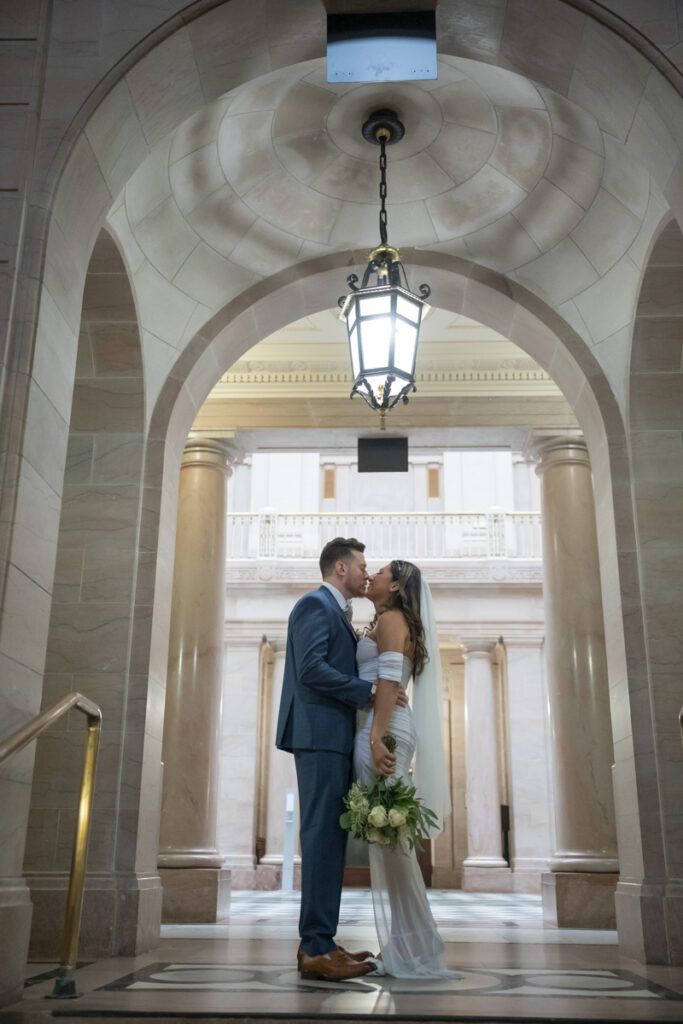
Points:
[(383, 191)]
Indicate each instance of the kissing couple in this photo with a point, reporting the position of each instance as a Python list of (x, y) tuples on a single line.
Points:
[(340, 696)]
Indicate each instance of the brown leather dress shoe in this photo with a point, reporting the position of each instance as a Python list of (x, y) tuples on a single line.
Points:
[(358, 957), (334, 966)]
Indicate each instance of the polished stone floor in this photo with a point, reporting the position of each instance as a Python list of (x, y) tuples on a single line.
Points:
[(511, 969)]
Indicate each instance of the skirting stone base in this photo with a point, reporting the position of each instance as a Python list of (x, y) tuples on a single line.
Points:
[(262, 877), (579, 899), (650, 921), (476, 879), (195, 895), (15, 928), (526, 881), (121, 915)]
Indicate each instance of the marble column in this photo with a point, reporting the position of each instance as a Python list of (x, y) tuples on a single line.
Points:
[(579, 890), (281, 776), (484, 869), (238, 755), (196, 887), (529, 764)]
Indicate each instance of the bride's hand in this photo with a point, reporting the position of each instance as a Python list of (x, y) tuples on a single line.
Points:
[(385, 761)]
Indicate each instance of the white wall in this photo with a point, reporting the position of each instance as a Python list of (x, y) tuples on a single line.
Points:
[(287, 481), (471, 481)]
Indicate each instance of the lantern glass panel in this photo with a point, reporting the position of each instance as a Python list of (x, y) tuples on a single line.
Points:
[(375, 339), (373, 305), (351, 316), (353, 345), (408, 309), (404, 346)]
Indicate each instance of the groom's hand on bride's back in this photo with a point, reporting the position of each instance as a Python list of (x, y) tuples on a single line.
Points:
[(401, 698)]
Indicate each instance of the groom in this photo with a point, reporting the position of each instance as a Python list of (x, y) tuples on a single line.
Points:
[(320, 696)]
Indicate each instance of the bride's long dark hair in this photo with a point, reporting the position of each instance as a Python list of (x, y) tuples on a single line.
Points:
[(407, 600)]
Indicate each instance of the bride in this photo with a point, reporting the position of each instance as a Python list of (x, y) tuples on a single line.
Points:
[(396, 649)]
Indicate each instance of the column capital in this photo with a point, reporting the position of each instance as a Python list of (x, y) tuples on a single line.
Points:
[(550, 450), (478, 648), (212, 452)]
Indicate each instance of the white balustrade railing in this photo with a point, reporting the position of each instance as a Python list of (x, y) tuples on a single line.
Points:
[(441, 535)]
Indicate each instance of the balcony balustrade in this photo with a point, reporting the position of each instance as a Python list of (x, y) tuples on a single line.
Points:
[(441, 536)]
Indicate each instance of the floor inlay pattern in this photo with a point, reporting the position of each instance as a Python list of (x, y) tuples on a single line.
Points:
[(506, 981)]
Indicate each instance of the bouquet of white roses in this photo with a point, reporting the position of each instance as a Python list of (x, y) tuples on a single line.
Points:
[(387, 812)]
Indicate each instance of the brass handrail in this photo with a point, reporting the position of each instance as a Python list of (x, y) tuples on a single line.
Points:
[(65, 983)]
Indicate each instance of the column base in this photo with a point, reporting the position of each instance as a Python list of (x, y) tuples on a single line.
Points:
[(263, 877), (121, 915), (15, 929), (650, 921), (493, 879), (579, 899), (195, 895)]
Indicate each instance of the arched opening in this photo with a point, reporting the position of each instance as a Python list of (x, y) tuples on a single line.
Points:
[(102, 571), (457, 286)]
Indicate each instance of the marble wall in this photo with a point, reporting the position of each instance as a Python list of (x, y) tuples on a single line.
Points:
[(101, 572), (656, 421)]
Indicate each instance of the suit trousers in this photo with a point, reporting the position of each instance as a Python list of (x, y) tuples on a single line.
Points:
[(323, 778)]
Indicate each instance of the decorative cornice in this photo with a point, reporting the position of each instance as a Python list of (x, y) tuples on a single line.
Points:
[(441, 575), (465, 380)]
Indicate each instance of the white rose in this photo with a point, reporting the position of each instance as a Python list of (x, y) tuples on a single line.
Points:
[(378, 816), (373, 835), (384, 840), (396, 817), (403, 830)]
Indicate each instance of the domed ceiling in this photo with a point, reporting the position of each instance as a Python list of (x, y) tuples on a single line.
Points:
[(491, 168)]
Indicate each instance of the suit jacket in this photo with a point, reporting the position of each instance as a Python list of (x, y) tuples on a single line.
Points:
[(320, 690)]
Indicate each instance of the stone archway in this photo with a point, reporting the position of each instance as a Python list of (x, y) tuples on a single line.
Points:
[(459, 287)]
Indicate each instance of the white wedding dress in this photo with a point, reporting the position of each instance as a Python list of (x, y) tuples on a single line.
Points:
[(409, 942)]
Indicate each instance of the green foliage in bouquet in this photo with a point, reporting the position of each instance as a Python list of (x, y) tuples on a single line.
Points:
[(387, 812)]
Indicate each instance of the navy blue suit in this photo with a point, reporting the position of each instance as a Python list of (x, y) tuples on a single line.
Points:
[(317, 722)]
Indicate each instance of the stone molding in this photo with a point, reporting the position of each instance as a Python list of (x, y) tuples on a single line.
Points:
[(335, 381), (243, 633), (453, 635), (512, 572)]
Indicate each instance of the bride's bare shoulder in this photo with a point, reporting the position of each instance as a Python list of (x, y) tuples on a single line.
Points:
[(391, 630)]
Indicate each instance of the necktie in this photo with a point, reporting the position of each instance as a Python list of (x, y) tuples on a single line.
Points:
[(348, 610)]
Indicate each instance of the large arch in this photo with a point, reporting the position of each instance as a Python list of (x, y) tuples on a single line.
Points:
[(462, 288), (655, 423), (129, 100)]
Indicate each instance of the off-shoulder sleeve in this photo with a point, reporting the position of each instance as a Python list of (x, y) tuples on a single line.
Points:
[(391, 666)]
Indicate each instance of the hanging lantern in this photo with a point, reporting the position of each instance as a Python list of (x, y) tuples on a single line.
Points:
[(383, 315)]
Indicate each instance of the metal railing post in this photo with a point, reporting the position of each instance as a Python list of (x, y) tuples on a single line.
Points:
[(65, 983)]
